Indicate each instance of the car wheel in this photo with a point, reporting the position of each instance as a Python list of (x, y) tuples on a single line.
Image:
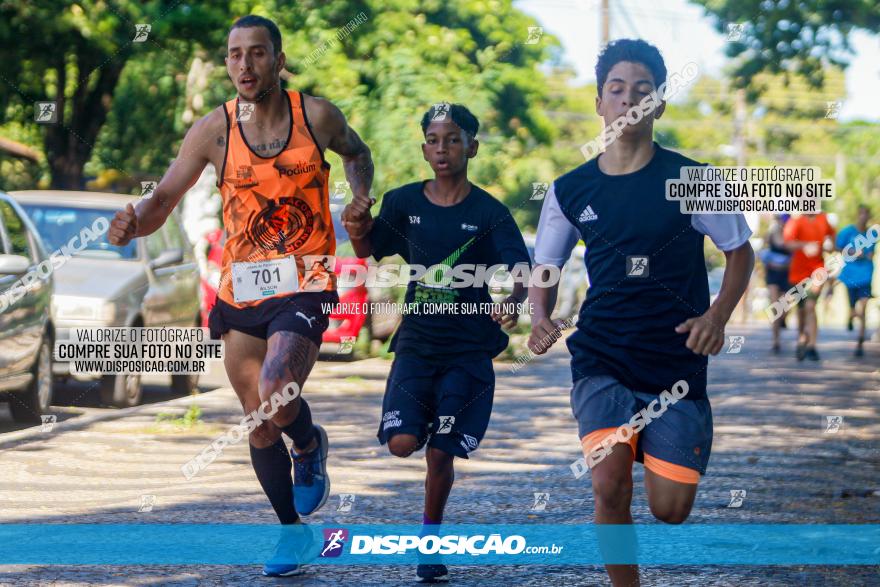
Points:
[(121, 390), (184, 384), (36, 399)]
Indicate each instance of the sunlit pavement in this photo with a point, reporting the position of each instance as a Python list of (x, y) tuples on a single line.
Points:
[(770, 440)]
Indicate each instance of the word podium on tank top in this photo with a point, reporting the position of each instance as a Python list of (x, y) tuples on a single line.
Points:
[(276, 212)]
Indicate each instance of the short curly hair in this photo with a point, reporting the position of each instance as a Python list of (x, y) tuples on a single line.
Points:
[(634, 50), (459, 114)]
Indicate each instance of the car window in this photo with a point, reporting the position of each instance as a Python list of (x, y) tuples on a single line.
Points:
[(16, 231), (172, 234), (156, 244), (61, 227)]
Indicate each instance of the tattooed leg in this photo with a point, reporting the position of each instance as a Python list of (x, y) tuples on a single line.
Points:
[(289, 358)]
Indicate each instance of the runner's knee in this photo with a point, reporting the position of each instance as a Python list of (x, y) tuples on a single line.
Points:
[(612, 485), (669, 512), (438, 460), (402, 445)]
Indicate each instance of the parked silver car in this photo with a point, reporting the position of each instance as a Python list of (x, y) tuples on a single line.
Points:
[(152, 281), (26, 329)]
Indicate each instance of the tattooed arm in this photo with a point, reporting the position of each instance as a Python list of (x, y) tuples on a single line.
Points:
[(332, 131)]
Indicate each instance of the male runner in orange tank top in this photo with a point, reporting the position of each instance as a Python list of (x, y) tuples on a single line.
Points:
[(268, 148)]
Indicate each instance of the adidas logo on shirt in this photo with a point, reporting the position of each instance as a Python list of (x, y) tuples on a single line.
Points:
[(588, 215)]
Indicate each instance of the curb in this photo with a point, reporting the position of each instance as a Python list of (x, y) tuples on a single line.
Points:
[(78, 423)]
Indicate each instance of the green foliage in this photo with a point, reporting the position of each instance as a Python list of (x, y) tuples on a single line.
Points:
[(791, 36), (192, 417)]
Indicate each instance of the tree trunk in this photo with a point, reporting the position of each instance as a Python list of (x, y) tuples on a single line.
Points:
[(70, 142)]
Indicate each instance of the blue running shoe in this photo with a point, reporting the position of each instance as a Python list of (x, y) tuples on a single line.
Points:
[(295, 547), (311, 485)]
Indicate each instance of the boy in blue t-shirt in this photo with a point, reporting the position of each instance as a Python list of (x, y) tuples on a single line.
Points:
[(857, 273)]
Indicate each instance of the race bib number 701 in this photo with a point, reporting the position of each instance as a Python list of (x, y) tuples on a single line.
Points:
[(264, 279)]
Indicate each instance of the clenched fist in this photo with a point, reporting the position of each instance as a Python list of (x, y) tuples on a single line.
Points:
[(356, 219), (544, 333), (124, 227)]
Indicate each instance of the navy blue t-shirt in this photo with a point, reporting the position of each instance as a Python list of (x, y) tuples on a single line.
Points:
[(479, 230), (646, 267)]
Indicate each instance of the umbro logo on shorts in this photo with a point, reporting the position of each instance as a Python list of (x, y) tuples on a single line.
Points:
[(469, 443), (588, 215)]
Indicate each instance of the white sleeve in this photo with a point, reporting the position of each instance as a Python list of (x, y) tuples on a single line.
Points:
[(727, 231), (556, 235)]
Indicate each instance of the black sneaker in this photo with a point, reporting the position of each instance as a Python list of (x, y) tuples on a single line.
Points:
[(860, 352), (800, 352), (811, 354), (432, 574)]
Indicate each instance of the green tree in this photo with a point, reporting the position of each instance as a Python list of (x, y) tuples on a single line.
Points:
[(74, 53), (791, 36)]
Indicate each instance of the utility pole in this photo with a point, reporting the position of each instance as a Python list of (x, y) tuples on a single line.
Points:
[(604, 24)]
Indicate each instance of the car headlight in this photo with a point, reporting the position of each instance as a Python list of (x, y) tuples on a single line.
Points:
[(76, 308)]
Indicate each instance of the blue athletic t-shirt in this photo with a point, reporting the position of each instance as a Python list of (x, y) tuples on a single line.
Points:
[(479, 230), (858, 272), (646, 267)]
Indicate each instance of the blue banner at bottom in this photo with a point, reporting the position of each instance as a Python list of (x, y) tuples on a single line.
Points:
[(463, 544)]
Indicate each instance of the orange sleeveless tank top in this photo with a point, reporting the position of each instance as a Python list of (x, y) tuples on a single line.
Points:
[(274, 207)]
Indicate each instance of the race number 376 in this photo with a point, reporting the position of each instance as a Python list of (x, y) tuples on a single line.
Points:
[(263, 279)]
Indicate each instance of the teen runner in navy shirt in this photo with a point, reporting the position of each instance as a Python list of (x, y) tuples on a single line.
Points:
[(442, 381), (646, 324)]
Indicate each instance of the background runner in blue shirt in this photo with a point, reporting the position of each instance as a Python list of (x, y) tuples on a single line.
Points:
[(857, 274)]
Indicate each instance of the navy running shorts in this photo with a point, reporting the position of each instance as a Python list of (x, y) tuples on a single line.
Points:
[(446, 406)]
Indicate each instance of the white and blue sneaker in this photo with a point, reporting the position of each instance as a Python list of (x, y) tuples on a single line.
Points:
[(311, 485), (295, 547)]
